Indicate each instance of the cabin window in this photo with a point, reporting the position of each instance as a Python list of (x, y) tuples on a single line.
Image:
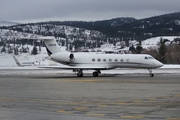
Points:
[(99, 59), (122, 60), (116, 60), (93, 59), (104, 60), (110, 60)]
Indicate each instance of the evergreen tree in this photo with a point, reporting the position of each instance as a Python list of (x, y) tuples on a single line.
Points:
[(127, 43), (16, 50), (34, 51), (62, 43), (132, 48), (162, 51), (10, 50), (70, 47), (3, 49), (39, 48), (139, 49)]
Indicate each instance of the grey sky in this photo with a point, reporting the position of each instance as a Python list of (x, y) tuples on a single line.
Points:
[(86, 10)]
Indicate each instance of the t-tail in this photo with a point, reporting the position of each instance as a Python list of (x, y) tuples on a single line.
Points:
[(51, 45)]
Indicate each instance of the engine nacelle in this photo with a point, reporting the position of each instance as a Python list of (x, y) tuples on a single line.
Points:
[(62, 57)]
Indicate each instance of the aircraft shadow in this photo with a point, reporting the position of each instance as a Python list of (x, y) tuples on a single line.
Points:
[(70, 76)]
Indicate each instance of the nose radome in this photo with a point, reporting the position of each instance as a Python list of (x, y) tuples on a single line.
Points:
[(159, 64)]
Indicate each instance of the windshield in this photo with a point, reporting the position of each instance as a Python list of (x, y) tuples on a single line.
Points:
[(148, 57)]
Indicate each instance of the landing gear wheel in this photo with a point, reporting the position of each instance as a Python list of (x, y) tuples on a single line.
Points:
[(95, 74), (151, 75), (80, 73)]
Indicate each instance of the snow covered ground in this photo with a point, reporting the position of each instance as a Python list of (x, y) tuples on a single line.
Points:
[(7, 62), (153, 42), (8, 66)]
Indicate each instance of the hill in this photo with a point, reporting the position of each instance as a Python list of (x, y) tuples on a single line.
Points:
[(101, 26), (164, 25), (123, 28), (131, 28), (95, 33), (8, 23)]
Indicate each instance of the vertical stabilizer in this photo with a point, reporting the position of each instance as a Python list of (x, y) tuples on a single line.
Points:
[(51, 45)]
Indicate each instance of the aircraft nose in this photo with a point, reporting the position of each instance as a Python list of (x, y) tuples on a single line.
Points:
[(159, 64)]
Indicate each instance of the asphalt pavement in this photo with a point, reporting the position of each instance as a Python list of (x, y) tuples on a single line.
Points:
[(107, 97)]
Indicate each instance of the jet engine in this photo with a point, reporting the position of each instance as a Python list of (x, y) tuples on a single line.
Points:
[(71, 57), (63, 57)]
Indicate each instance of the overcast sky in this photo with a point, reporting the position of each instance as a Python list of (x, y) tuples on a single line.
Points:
[(85, 10)]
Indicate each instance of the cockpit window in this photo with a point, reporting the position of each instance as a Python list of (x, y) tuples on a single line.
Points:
[(146, 58), (150, 57)]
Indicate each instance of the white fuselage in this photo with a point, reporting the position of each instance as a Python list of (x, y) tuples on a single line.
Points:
[(107, 61), (90, 61)]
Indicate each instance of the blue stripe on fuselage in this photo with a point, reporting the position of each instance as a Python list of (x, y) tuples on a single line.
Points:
[(48, 51)]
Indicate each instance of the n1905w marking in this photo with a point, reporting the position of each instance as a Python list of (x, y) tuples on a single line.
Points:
[(52, 44)]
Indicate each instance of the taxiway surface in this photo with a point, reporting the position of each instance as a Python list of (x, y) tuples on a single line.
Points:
[(62, 96)]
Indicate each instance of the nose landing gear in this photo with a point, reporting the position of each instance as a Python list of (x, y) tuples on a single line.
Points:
[(150, 73)]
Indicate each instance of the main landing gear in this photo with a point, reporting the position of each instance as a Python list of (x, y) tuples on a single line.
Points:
[(80, 73), (150, 73), (95, 73)]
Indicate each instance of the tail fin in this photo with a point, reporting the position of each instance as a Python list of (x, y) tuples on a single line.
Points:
[(17, 62), (51, 45)]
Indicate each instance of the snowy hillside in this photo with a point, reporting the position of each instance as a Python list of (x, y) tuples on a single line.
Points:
[(67, 36), (42, 58), (59, 31), (154, 42), (6, 35)]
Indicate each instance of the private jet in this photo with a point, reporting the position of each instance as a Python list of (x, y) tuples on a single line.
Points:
[(89, 61)]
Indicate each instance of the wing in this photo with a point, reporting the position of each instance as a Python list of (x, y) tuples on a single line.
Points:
[(76, 67)]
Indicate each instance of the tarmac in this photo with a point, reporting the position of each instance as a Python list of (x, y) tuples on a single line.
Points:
[(107, 97)]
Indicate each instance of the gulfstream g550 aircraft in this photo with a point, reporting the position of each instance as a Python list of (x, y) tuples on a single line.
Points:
[(87, 61)]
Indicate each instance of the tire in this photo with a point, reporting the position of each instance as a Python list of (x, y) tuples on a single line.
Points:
[(95, 74)]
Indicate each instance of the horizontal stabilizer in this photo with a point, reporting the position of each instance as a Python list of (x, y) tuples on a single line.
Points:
[(17, 62)]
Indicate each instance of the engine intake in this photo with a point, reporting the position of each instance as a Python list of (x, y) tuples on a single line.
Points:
[(63, 57), (71, 56)]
